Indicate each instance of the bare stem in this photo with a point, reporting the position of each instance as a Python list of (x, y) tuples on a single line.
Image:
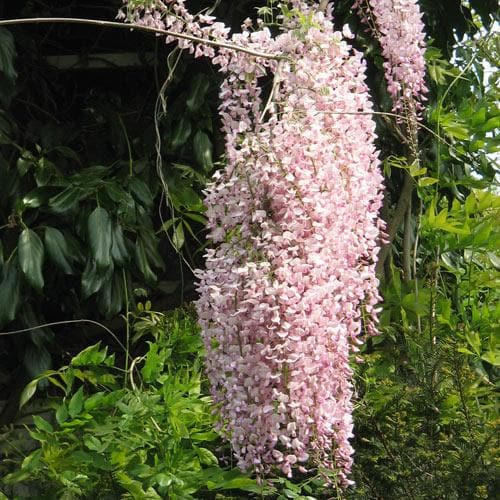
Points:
[(157, 31)]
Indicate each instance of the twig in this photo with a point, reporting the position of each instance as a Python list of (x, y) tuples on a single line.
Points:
[(323, 5), (395, 223), (276, 82), (67, 322), (407, 248), (131, 370), (157, 31)]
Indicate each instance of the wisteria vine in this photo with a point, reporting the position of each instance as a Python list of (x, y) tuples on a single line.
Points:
[(399, 28), (290, 281)]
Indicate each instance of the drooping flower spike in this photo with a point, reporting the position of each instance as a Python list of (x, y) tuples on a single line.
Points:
[(290, 281), (398, 26)]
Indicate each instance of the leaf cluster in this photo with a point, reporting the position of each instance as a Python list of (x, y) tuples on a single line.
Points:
[(143, 434)]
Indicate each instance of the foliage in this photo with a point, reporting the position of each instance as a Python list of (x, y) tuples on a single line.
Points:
[(80, 227), (146, 433), (427, 412), (426, 417)]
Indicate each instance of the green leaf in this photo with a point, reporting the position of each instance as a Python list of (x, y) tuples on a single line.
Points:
[(91, 176), (36, 360), (61, 414), (111, 296), (42, 424), (151, 247), (75, 405), (57, 249), (415, 170), (91, 356), (479, 117), (135, 488), (196, 217), (164, 480), (182, 132), (142, 262), (92, 443), (197, 92), (38, 197), (31, 254), (66, 200), (100, 237), (9, 291), (153, 364), (28, 392), (178, 237), (456, 130), (141, 191), (116, 192), (239, 483), (204, 436), (7, 54), (206, 456), (491, 357), (32, 461), (93, 279), (427, 181), (119, 251), (491, 124), (417, 305), (23, 164), (203, 149)]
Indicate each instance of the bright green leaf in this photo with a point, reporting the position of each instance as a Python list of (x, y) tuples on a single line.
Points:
[(206, 456), (91, 356), (61, 413), (427, 181), (492, 124), (28, 393), (42, 424), (75, 404)]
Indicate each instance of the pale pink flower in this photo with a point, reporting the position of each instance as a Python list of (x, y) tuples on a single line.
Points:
[(399, 27), (293, 218)]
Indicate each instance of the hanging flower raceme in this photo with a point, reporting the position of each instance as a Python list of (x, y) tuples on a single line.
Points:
[(290, 282), (399, 27)]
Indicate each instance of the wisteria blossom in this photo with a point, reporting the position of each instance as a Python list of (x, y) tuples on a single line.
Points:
[(289, 282), (399, 26)]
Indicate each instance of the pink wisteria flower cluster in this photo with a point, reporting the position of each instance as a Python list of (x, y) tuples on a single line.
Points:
[(399, 26), (289, 282)]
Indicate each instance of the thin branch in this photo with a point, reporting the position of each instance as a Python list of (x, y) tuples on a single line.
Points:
[(157, 31), (67, 322), (323, 5), (276, 83), (407, 240), (395, 223)]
